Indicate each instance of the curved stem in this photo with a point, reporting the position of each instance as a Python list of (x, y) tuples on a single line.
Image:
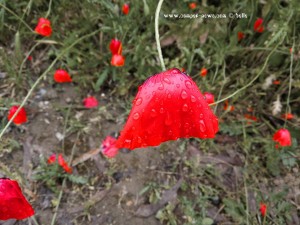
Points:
[(49, 9), (10, 11), (157, 35), (42, 77)]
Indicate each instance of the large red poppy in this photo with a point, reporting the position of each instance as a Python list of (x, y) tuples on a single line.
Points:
[(168, 106), (13, 204)]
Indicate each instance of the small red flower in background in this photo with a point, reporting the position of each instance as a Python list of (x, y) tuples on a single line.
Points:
[(115, 46), (62, 76), (209, 97), (283, 137), (64, 164), (21, 116), (125, 9), (44, 27), (288, 116), (29, 58), (258, 25), (276, 82), (108, 147), (13, 204), (203, 72), (168, 106), (117, 60), (192, 5), (263, 209), (251, 118), (51, 159), (240, 35), (90, 102), (61, 162), (228, 107)]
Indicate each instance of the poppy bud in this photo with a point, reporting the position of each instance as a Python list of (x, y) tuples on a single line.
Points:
[(203, 72), (51, 159), (90, 102), (125, 9), (263, 209), (44, 27), (62, 76), (64, 164), (258, 25), (117, 60), (240, 35), (283, 137), (21, 116), (115, 46), (209, 97), (192, 5), (13, 204), (287, 116)]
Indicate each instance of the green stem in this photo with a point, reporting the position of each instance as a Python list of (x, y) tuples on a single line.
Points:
[(49, 9), (252, 81), (26, 58), (10, 11), (43, 76), (157, 35)]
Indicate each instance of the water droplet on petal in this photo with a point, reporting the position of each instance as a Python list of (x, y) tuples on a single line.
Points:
[(188, 84), (202, 126), (168, 120), (127, 141), (138, 101), (162, 110), (167, 80), (193, 98), (169, 96), (170, 133), (136, 116), (161, 86), (185, 108), (178, 85), (153, 113), (201, 116), (184, 94), (139, 140), (153, 92)]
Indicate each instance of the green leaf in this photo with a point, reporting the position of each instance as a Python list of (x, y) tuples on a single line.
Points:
[(207, 221)]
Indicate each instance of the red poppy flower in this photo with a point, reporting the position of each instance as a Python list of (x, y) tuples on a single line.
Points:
[(192, 5), (29, 58), (108, 147), (203, 72), (117, 60), (125, 9), (51, 159), (288, 116), (258, 25), (64, 164), (62, 76), (21, 116), (283, 137), (276, 82), (44, 27), (13, 204), (263, 209), (115, 46), (209, 97), (90, 102), (240, 35), (228, 107), (168, 106), (250, 118)]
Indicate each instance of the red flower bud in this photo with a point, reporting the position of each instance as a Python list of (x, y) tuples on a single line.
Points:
[(240, 35), (51, 159), (263, 209), (125, 9), (203, 72), (21, 116), (288, 116), (258, 25), (209, 97), (62, 76), (90, 102), (44, 27), (283, 137), (192, 5), (64, 164), (117, 60), (115, 46)]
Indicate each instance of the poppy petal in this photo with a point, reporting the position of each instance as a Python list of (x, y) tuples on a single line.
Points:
[(13, 205), (168, 106)]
